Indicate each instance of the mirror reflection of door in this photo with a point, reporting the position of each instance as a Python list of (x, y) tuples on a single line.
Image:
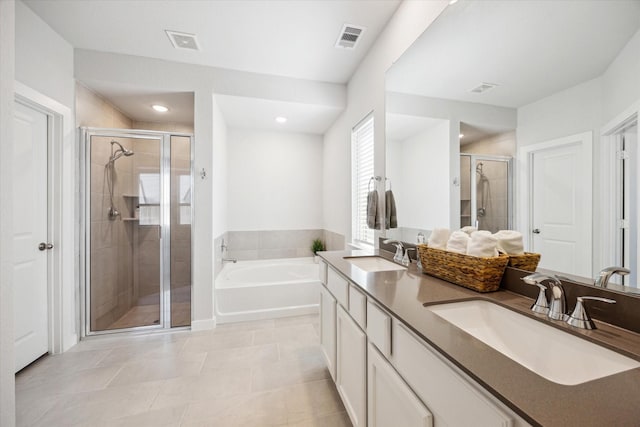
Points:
[(559, 225)]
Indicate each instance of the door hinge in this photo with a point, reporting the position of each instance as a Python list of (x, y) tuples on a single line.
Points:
[(623, 223), (623, 155)]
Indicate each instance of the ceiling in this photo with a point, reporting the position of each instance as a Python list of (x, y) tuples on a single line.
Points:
[(255, 113), (277, 37), (291, 39), (531, 49)]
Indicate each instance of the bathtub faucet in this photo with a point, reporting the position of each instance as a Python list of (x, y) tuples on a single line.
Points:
[(233, 260)]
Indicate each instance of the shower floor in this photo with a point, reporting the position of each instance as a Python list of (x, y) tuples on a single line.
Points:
[(147, 312)]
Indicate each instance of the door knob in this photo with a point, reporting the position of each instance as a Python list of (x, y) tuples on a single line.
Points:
[(44, 246), (536, 231)]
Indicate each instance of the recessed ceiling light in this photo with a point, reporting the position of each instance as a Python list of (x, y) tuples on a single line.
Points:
[(461, 136), (160, 108), (453, 1), (281, 119)]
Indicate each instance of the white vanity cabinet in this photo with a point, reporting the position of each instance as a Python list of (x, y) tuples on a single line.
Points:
[(328, 329), (389, 376), (390, 401), (452, 399), (351, 365)]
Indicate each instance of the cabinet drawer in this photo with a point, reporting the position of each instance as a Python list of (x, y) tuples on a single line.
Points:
[(452, 399), (338, 286), (358, 306), (379, 328), (322, 271)]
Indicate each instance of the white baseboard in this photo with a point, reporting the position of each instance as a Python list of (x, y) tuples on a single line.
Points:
[(203, 325)]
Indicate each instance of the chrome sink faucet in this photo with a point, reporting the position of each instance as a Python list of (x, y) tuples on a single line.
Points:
[(399, 249), (605, 274), (580, 316), (556, 308)]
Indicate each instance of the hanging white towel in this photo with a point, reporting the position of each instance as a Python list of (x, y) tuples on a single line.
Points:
[(439, 238), (458, 242), (510, 242), (482, 244)]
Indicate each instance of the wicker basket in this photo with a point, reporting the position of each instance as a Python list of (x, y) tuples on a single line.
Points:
[(479, 274), (527, 261)]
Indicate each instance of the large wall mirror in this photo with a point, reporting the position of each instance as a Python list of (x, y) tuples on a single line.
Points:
[(523, 115)]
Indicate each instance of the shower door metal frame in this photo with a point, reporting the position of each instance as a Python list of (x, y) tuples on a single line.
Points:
[(164, 139), (473, 161)]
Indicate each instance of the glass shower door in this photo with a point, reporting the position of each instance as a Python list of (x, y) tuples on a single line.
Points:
[(485, 192), (125, 270), (180, 213), (138, 187)]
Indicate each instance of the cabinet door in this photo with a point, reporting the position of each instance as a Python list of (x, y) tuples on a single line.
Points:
[(351, 364), (391, 401), (328, 329)]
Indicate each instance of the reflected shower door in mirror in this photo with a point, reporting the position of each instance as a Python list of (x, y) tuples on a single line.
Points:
[(485, 192), (542, 80), (138, 228)]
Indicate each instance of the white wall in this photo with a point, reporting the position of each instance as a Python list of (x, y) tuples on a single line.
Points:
[(219, 172), (275, 180), (7, 358), (44, 60), (422, 202), (621, 80), (571, 111), (366, 93)]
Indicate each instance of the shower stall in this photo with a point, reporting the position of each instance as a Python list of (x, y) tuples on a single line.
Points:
[(486, 192), (137, 226)]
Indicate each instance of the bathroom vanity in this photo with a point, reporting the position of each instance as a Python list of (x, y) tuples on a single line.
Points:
[(395, 361)]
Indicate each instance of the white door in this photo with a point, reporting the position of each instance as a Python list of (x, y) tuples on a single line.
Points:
[(560, 224), (328, 329), (29, 230)]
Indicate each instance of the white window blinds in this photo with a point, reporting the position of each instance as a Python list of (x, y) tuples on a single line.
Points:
[(361, 173)]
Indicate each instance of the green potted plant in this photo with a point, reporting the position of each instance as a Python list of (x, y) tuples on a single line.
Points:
[(317, 246)]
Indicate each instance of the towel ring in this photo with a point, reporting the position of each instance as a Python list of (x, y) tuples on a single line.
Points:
[(369, 184)]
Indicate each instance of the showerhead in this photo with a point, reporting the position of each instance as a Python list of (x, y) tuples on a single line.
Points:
[(119, 152)]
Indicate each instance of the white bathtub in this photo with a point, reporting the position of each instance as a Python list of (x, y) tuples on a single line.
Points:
[(265, 289)]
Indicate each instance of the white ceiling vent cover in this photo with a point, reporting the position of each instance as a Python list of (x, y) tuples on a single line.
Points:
[(183, 40), (484, 87), (349, 36)]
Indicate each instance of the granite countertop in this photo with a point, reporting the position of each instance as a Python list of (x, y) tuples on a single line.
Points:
[(608, 401)]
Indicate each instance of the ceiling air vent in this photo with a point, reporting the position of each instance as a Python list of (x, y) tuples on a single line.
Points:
[(483, 87), (349, 36), (183, 40)]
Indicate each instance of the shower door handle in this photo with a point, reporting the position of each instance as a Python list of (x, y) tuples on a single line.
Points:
[(536, 231), (45, 246)]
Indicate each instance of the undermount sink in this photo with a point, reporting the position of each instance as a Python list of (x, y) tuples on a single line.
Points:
[(549, 352), (373, 263)]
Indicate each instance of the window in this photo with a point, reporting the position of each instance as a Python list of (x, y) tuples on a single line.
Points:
[(361, 173)]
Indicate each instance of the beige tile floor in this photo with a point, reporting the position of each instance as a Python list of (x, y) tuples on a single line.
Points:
[(267, 373)]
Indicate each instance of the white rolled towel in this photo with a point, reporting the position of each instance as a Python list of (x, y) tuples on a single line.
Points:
[(468, 229), (439, 238), (510, 242), (458, 242), (482, 244)]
